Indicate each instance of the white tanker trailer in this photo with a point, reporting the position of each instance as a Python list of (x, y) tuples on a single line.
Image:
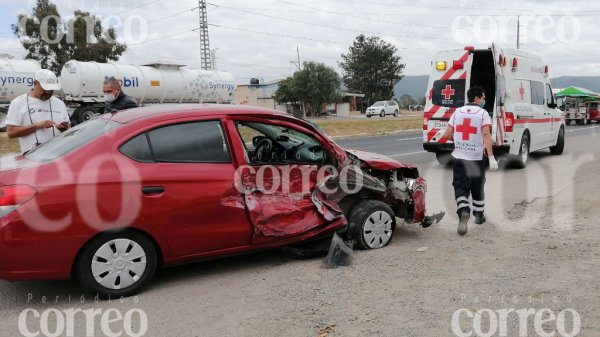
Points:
[(16, 78), (81, 84), (149, 84)]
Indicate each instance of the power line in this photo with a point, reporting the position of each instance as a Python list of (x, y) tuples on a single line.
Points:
[(326, 26), (320, 10), (165, 36)]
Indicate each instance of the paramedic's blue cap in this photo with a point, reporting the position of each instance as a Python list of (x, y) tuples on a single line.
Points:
[(47, 79)]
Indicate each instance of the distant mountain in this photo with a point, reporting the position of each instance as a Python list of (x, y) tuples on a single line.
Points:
[(412, 85), (588, 82), (416, 86)]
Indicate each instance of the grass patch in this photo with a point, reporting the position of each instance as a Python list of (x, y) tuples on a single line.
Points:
[(8, 145), (368, 127)]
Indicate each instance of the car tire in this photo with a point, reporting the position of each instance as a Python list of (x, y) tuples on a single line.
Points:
[(107, 257), (523, 157), (371, 224), (444, 158), (382, 113), (3, 114), (84, 114), (369, 116), (558, 149), (395, 113)]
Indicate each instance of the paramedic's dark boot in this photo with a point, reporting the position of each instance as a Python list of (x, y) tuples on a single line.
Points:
[(462, 223), (479, 218)]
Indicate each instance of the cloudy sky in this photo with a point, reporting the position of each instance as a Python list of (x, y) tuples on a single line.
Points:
[(260, 38)]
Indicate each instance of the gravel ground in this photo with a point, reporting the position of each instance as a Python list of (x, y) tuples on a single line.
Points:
[(539, 249)]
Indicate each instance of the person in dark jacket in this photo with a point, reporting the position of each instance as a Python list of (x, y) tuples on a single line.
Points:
[(114, 98)]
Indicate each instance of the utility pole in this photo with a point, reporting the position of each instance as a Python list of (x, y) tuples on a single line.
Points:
[(518, 31), (297, 62), (205, 59)]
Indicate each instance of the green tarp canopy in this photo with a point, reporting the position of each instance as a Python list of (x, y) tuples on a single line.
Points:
[(577, 92)]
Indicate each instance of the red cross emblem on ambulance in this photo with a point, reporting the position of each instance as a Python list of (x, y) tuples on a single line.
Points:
[(448, 92)]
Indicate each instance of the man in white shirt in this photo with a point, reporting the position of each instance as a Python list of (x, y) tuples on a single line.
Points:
[(470, 129), (37, 117)]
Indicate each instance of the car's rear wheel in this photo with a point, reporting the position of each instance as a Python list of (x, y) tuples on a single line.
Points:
[(382, 113), (395, 113), (371, 224), (117, 264)]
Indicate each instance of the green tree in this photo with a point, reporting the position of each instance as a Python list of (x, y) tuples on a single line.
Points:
[(52, 41), (314, 85), (286, 93), (407, 100), (372, 67)]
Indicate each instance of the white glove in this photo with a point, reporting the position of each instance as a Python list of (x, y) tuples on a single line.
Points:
[(493, 163)]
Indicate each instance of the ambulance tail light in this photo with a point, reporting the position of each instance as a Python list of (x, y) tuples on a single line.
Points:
[(546, 70), (424, 124), (510, 122), (457, 65), (515, 64)]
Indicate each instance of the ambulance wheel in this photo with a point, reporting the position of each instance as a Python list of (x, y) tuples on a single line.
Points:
[(382, 113), (560, 143), (523, 157), (444, 158), (395, 113)]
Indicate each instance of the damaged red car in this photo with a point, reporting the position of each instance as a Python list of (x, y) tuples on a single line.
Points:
[(114, 199)]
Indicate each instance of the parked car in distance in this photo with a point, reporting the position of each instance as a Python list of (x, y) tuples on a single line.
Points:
[(114, 199), (383, 108)]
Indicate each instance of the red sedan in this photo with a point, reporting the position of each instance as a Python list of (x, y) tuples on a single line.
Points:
[(112, 200)]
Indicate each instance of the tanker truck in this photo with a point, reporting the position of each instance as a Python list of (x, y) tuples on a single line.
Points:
[(16, 78), (148, 84), (81, 84)]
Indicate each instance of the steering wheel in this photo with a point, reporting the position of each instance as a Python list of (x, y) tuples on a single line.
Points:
[(263, 151)]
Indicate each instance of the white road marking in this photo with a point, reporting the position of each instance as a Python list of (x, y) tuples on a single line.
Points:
[(584, 128), (403, 139), (407, 154)]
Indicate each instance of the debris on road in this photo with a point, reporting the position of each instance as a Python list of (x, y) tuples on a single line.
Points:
[(423, 249), (324, 332), (340, 252)]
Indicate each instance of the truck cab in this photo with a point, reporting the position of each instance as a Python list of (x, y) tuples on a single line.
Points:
[(519, 100)]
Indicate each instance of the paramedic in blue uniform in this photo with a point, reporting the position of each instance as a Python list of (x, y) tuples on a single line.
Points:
[(470, 129)]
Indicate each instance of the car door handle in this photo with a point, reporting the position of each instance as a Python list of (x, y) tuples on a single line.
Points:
[(525, 116), (152, 190)]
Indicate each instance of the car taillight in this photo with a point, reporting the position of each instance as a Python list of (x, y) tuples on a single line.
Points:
[(14, 196), (510, 122)]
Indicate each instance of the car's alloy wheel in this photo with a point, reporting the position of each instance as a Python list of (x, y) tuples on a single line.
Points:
[(382, 113), (377, 229), (117, 264), (371, 224), (395, 113)]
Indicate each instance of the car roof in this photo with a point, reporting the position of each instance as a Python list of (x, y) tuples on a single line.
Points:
[(184, 110)]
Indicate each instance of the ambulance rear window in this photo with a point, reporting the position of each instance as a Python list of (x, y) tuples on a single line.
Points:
[(449, 93)]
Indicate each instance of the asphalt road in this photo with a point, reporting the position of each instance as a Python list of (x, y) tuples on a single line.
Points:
[(408, 147)]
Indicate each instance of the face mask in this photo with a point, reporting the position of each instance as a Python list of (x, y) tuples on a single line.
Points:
[(109, 98), (481, 104)]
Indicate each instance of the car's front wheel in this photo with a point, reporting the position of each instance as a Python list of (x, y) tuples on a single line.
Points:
[(117, 264), (372, 224)]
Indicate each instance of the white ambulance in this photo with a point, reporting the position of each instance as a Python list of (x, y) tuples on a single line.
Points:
[(519, 100)]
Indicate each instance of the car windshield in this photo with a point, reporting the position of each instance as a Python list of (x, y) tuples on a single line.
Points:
[(380, 103), (71, 139)]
